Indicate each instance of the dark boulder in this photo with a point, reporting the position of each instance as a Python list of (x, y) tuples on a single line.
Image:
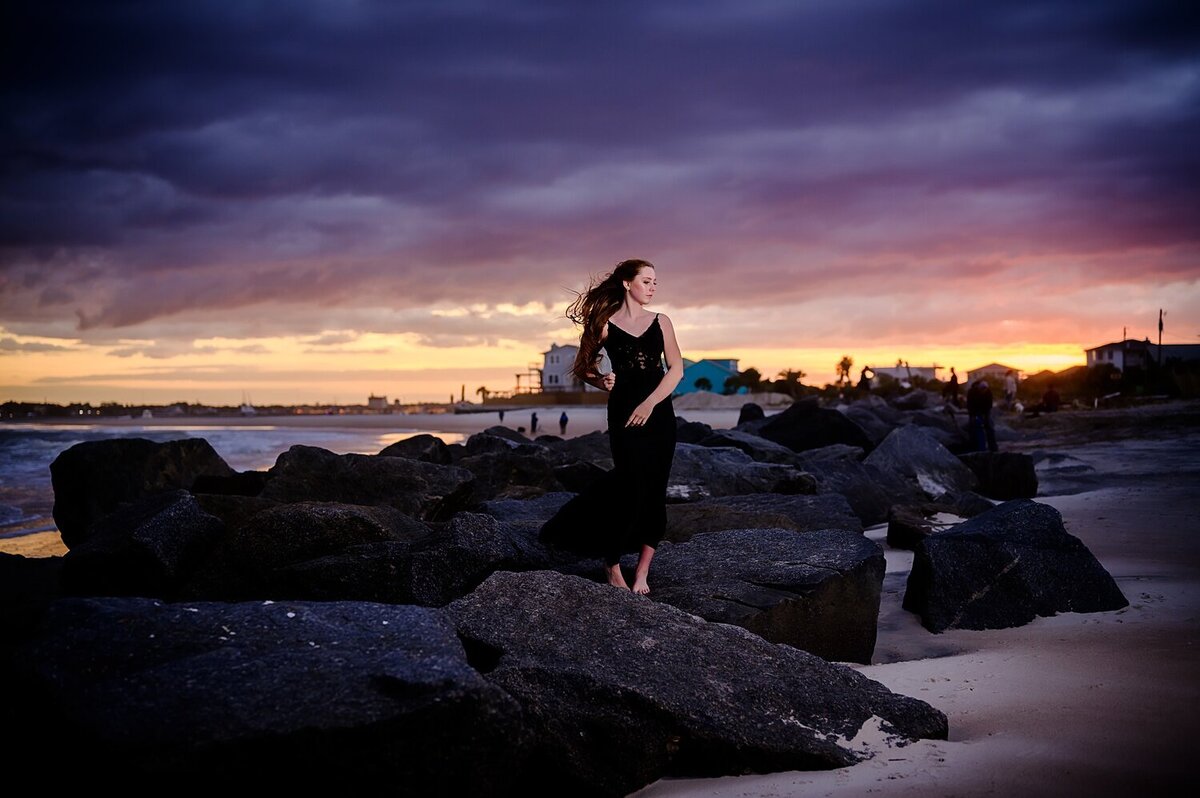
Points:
[(943, 427), (592, 448), (874, 427), (758, 447), (300, 691), (909, 524), (426, 448), (1003, 475), (145, 548), (28, 586), (231, 509), (621, 691), (510, 473), (508, 433), (912, 454), (760, 511), (869, 490), (699, 472), (805, 425), (470, 548), (690, 431), (578, 476), (90, 479), (531, 513), (429, 567), (485, 443), (422, 490), (1005, 567), (915, 399), (750, 412), (818, 591), (244, 483), (254, 559)]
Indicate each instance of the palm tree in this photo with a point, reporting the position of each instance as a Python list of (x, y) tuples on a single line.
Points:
[(789, 380), (843, 369), (482, 391)]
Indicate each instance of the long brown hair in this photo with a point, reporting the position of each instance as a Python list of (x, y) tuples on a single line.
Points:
[(594, 307)]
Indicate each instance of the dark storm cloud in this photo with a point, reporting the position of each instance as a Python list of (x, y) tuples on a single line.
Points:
[(161, 158)]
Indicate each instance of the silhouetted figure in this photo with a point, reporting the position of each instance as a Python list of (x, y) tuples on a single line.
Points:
[(864, 379), (562, 423), (1049, 404), (501, 412), (979, 412), (533, 424), (950, 392)]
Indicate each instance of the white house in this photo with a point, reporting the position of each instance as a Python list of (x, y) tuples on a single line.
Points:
[(556, 369), (1139, 354), (993, 372), (377, 403)]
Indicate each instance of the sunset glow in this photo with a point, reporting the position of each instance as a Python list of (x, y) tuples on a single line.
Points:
[(312, 202)]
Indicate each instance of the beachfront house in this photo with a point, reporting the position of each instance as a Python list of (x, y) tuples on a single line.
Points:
[(1140, 354), (710, 372), (556, 369), (377, 403), (993, 373)]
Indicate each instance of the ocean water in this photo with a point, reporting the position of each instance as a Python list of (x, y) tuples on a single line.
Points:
[(26, 451)]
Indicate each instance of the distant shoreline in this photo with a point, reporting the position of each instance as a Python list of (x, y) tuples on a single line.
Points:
[(581, 420)]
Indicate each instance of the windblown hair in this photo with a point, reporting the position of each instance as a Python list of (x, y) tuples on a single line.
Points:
[(594, 307)]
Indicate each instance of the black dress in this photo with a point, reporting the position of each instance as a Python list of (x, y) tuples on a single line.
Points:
[(625, 509)]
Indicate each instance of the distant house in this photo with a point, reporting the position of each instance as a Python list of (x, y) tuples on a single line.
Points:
[(906, 372), (1139, 354), (556, 369), (377, 403), (715, 371), (994, 372)]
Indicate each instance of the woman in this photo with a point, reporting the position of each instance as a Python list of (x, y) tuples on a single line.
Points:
[(625, 511)]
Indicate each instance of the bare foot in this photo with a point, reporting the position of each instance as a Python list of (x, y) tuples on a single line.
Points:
[(640, 586), (616, 578)]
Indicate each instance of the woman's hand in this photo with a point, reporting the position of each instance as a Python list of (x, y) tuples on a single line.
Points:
[(640, 414), (608, 381)]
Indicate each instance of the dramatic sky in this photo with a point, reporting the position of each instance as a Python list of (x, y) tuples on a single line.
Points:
[(311, 201)]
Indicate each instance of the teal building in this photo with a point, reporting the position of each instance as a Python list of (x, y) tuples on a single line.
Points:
[(714, 371)]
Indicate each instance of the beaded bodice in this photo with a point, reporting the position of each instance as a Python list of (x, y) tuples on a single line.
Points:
[(635, 355)]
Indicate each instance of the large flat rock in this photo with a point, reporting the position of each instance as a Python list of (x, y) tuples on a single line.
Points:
[(621, 690), (818, 590), (286, 691), (761, 511)]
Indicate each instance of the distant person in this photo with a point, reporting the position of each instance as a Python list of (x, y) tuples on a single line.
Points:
[(533, 424), (562, 423), (950, 392), (1010, 389), (979, 413), (1049, 404), (864, 379), (625, 511), (501, 412)]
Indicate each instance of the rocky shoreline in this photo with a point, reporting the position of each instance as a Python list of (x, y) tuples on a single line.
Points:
[(396, 614)]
